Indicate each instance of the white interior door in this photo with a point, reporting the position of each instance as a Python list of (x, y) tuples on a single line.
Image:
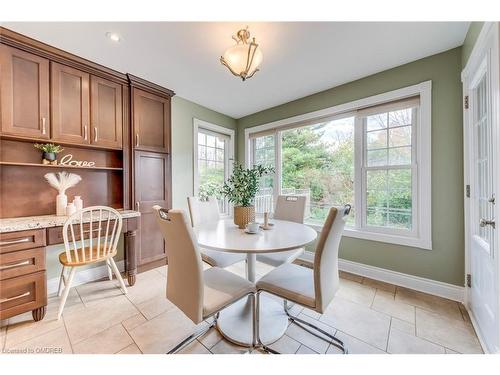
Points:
[(483, 166)]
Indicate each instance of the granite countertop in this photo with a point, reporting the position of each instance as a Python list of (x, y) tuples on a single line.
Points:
[(47, 221)]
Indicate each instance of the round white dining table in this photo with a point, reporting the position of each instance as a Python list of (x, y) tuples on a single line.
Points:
[(236, 321)]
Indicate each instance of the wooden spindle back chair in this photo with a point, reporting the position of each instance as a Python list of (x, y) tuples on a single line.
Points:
[(83, 245)]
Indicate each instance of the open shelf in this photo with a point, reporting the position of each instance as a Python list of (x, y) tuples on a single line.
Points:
[(57, 166)]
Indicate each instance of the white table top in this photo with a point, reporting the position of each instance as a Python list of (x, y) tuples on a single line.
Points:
[(224, 235)]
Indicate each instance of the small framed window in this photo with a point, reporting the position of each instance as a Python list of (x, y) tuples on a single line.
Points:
[(389, 169), (213, 156)]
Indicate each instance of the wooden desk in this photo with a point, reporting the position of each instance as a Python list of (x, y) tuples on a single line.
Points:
[(23, 281)]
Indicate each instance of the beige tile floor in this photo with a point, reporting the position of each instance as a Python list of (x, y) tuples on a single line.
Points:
[(368, 315)]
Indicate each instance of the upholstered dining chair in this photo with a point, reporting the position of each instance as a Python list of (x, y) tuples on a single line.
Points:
[(208, 211), (289, 208), (198, 294), (87, 246), (314, 288)]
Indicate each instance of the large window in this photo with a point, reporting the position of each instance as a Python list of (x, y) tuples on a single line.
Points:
[(318, 162), (212, 157), (368, 155)]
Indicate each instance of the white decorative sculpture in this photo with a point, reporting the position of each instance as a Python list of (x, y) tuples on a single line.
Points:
[(61, 182)]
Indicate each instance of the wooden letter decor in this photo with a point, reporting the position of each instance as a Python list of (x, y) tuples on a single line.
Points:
[(68, 160)]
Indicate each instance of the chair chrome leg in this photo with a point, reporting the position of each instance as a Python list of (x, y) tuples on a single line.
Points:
[(334, 340), (190, 339), (287, 305), (258, 343)]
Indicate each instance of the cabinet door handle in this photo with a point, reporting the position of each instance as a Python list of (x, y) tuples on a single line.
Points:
[(136, 139), (3, 300), (95, 133), (14, 265), (138, 205), (21, 240), (85, 132), (44, 130)]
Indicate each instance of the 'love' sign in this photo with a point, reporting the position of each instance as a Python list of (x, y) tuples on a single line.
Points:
[(68, 160)]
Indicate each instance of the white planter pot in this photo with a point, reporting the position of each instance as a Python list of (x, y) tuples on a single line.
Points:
[(61, 203)]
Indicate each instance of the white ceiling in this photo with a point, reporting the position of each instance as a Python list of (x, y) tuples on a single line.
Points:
[(300, 58)]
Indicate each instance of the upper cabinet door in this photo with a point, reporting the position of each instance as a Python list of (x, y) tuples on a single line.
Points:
[(106, 112), (70, 105), (151, 122), (24, 94)]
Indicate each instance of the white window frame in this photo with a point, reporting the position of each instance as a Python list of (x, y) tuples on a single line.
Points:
[(229, 158), (421, 237)]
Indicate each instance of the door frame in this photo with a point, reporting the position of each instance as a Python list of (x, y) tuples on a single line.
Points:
[(489, 35)]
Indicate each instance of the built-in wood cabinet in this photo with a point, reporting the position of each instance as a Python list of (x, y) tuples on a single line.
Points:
[(120, 122), (70, 95), (106, 109), (24, 88), (152, 187), (86, 109), (22, 273), (151, 121), (151, 170)]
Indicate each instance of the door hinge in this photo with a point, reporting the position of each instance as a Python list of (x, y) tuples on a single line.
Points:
[(467, 191), (466, 101), (469, 280)]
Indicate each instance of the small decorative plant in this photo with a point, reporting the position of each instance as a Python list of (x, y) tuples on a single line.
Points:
[(49, 152), (241, 188)]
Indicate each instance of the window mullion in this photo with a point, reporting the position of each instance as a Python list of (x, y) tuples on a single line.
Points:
[(277, 165), (359, 171)]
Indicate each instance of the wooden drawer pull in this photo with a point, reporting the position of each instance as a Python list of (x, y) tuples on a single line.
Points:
[(14, 265), (15, 297), (21, 240)]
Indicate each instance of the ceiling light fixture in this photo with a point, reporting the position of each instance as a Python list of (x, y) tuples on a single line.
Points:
[(244, 58), (113, 36)]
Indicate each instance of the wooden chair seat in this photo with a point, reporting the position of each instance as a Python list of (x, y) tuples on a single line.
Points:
[(63, 257)]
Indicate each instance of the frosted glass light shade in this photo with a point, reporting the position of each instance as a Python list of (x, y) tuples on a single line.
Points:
[(236, 58)]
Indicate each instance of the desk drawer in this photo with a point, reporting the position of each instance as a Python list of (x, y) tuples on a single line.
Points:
[(21, 262), (26, 239), (55, 235), (23, 293)]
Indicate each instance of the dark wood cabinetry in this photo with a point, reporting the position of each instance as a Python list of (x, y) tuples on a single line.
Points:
[(106, 109), (70, 95), (24, 87), (120, 122), (152, 187), (22, 274), (86, 109), (151, 121), (152, 180)]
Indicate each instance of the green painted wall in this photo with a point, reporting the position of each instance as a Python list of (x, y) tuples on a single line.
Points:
[(183, 113), (470, 40), (445, 262)]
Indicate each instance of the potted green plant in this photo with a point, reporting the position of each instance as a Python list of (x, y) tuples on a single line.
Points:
[(241, 188), (49, 152)]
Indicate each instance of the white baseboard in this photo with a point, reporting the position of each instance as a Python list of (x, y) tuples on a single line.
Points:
[(478, 331), (84, 276), (421, 284)]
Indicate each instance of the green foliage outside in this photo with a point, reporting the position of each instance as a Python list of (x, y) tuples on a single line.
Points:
[(211, 182), (325, 166)]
